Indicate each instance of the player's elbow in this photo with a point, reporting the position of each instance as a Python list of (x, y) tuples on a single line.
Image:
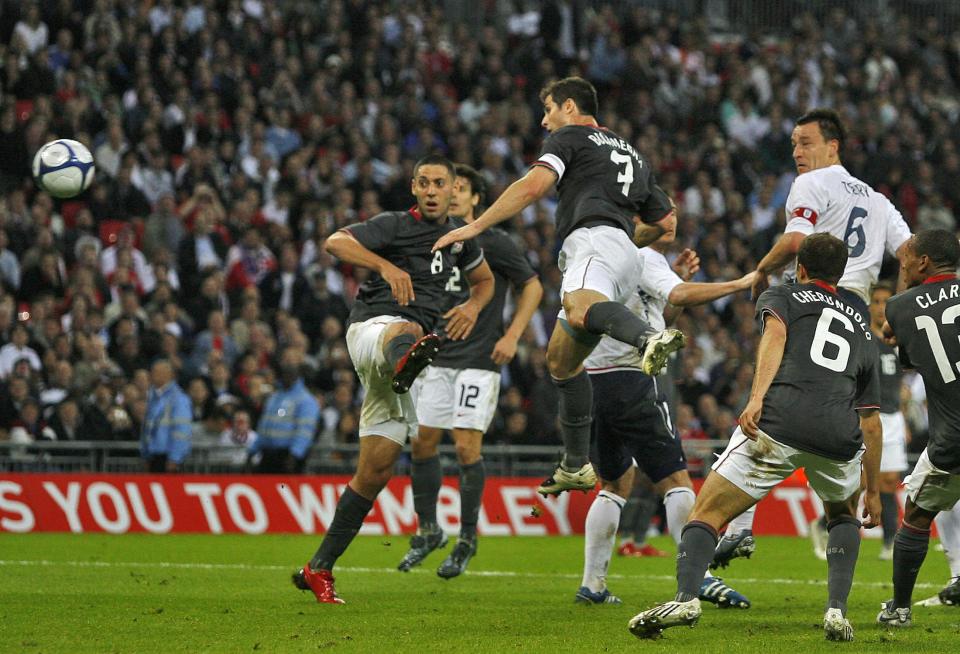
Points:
[(335, 242), (679, 297)]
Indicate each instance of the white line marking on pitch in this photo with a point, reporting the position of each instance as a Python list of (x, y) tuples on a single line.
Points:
[(472, 573)]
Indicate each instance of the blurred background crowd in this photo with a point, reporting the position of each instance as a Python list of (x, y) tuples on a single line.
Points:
[(231, 137)]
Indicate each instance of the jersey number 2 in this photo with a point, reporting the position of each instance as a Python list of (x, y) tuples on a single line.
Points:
[(823, 335), (929, 325), (625, 177)]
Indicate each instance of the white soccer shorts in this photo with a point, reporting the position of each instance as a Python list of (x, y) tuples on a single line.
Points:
[(931, 488), (755, 467), (894, 458), (384, 413), (448, 398), (602, 259)]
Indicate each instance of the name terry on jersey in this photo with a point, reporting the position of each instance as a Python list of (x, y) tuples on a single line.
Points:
[(599, 138), (835, 302), (856, 189), (925, 300)]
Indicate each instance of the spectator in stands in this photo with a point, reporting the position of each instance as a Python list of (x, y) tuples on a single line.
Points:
[(239, 438), (286, 288), (16, 350), (289, 420), (204, 249), (9, 265), (165, 441), (214, 341)]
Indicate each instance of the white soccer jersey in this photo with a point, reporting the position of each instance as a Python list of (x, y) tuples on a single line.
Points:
[(648, 301), (832, 200)]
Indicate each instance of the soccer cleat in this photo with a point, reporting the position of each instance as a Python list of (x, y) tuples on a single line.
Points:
[(561, 480), (587, 596), (414, 361), (652, 622), (837, 627), (886, 553), (658, 348), (713, 590), (951, 594), (319, 581), (930, 601), (631, 549), (455, 564), (420, 546), (818, 535), (891, 617), (733, 546)]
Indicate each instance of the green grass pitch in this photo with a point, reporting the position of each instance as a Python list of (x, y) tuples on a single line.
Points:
[(91, 593)]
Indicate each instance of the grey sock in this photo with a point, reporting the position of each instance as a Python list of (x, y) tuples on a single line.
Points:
[(697, 544), (617, 321), (426, 476), (347, 520), (576, 409), (909, 551), (397, 347), (647, 505), (843, 547), (628, 517), (472, 478), (889, 517)]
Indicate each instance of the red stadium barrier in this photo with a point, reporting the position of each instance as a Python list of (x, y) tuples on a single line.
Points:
[(216, 504)]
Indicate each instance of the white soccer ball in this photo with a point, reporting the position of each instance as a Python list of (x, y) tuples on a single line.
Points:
[(63, 168)]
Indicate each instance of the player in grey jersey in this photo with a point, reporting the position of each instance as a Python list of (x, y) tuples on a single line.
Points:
[(816, 369), (402, 299), (923, 323), (460, 389), (609, 203)]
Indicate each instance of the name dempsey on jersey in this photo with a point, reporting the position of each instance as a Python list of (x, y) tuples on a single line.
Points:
[(944, 295), (599, 138), (837, 303)]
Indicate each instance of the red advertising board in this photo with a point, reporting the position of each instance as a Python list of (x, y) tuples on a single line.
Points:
[(216, 504)]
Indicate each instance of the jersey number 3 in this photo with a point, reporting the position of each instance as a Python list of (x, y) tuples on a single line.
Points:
[(625, 177), (823, 335)]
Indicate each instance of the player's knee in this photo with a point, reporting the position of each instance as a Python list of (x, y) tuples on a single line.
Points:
[(468, 453), (557, 364)]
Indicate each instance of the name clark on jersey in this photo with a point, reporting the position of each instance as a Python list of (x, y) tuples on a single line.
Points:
[(817, 296), (925, 300), (599, 138)]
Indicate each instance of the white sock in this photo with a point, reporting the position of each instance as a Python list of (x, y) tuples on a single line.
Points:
[(742, 521), (948, 526), (678, 502), (601, 534)]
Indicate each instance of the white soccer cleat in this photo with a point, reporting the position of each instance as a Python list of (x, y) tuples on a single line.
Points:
[(886, 553), (891, 617), (930, 601), (818, 535), (658, 349), (652, 622), (837, 627), (584, 479)]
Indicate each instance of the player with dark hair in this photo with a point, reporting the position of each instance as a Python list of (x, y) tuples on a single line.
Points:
[(609, 204), (816, 369), (632, 426), (460, 389), (390, 340), (826, 198), (923, 323)]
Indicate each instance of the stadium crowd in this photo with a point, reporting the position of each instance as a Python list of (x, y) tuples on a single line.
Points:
[(231, 137)]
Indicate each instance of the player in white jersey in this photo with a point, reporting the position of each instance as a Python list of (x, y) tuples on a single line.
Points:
[(632, 426), (825, 197)]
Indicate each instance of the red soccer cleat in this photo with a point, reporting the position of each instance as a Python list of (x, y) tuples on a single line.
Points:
[(320, 582), (631, 549), (650, 550), (414, 361)]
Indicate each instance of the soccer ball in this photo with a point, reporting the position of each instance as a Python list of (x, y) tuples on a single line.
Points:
[(63, 168)]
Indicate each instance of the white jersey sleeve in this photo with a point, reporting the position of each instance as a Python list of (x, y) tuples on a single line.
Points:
[(648, 302), (832, 200)]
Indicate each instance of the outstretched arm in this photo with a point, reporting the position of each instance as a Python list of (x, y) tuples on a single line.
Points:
[(769, 356), (780, 254), (522, 193)]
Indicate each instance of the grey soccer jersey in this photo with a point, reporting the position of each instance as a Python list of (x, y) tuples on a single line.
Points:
[(925, 321), (509, 266), (891, 375), (600, 177), (828, 371), (404, 239)]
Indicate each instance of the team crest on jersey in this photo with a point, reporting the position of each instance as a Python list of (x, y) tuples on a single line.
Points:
[(806, 214), (456, 248)]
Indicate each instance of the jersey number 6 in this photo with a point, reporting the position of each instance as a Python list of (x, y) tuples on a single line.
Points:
[(823, 335)]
